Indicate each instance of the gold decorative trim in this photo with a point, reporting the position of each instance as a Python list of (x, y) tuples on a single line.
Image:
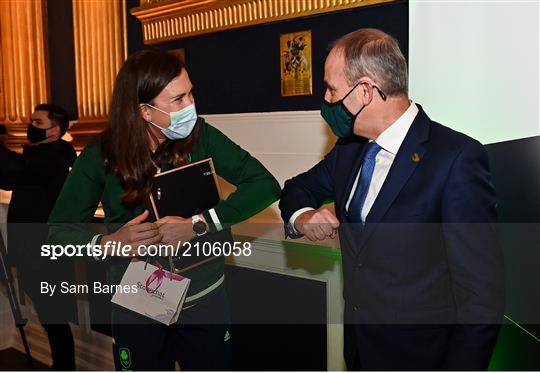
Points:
[(168, 20), (99, 40), (24, 77), (99, 53), (124, 29)]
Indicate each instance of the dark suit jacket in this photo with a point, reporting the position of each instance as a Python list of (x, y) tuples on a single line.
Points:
[(429, 252), (36, 177)]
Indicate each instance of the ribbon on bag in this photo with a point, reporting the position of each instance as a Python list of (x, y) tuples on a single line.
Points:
[(158, 275)]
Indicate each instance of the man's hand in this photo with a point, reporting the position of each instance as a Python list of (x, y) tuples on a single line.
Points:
[(316, 225), (175, 229), (135, 233)]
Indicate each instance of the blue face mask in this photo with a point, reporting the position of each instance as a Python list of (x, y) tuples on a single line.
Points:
[(182, 122)]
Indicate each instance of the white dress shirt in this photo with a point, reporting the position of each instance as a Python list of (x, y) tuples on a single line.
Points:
[(390, 141)]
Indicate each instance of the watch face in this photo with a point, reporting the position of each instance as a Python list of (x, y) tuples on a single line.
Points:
[(199, 227)]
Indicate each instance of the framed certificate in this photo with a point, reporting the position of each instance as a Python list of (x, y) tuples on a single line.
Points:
[(296, 65)]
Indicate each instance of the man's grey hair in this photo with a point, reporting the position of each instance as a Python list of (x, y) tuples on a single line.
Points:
[(375, 54)]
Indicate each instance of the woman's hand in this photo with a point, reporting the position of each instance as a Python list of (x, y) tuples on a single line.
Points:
[(175, 229), (135, 233)]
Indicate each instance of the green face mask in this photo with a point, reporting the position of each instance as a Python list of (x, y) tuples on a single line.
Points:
[(339, 118)]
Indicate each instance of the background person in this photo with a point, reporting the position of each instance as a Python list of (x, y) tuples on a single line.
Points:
[(36, 177)]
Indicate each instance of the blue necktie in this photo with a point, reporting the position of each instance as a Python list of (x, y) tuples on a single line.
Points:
[(366, 173)]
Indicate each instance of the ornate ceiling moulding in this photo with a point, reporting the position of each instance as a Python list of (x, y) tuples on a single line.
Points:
[(164, 20)]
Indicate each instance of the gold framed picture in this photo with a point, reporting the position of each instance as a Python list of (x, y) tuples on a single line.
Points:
[(295, 61)]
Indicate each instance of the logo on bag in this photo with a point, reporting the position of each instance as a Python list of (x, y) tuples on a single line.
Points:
[(154, 293), (125, 358)]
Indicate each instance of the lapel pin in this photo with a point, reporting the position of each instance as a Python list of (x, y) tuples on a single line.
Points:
[(415, 157)]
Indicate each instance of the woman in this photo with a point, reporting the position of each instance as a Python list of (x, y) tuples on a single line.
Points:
[(153, 127)]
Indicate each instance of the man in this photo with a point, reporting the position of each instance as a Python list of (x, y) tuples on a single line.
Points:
[(414, 210), (36, 177)]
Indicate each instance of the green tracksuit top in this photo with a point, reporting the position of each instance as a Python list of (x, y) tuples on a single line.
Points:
[(89, 183)]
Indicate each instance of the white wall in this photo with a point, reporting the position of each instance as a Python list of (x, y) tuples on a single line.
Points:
[(287, 143)]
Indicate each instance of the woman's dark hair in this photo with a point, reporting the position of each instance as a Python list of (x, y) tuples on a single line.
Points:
[(125, 142)]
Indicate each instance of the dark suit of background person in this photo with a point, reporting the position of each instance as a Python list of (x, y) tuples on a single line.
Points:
[(417, 296), (5, 161), (36, 177)]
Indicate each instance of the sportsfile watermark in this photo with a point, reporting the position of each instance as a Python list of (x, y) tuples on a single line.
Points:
[(273, 280), (114, 248)]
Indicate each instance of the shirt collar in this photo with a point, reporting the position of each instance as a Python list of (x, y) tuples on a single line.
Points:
[(391, 138)]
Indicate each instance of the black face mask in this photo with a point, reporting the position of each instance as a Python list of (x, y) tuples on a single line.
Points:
[(35, 134), (339, 118)]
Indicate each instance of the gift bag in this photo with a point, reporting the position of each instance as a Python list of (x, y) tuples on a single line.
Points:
[(158, 294)]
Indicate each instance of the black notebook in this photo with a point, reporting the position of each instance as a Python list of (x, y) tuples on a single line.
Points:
[(185, 191)]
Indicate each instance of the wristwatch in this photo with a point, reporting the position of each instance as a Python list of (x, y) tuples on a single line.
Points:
[(199, 226)]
